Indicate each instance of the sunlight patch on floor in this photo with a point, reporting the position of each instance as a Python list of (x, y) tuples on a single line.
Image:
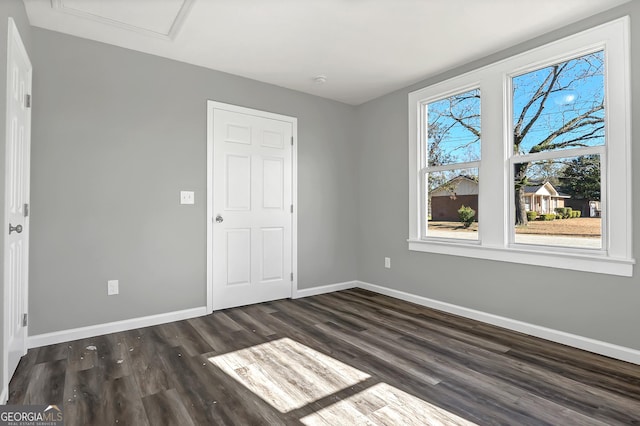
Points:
[(287, 374), (383, 404)]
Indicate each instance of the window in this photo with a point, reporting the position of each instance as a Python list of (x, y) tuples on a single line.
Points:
[(535, 148), (558, 110), (450, 166)]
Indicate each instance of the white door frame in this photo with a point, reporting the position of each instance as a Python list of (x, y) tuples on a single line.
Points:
[(211, 105), (15, 46)]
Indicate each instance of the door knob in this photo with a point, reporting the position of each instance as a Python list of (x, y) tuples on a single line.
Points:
[(17, 228), (219, 219)]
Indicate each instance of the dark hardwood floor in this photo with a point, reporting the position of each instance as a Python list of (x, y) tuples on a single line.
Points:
[(352, 357)]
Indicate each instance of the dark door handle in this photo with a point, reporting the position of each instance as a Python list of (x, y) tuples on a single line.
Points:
[(17, 228)]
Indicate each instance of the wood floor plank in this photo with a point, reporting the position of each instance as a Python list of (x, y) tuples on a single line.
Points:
[(83, 396), (122, 403), (351, 357), (49, 386), (166, 408)]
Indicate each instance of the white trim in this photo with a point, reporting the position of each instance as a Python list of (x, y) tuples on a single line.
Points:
[(211, 105), (585, 343), (209, 207), (323, 289), (112, 327), (4, 395), (294, 201), (551, 257), (170, 35), (496, 213)]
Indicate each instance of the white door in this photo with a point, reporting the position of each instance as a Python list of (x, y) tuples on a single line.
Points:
[(251, 211), (16, 226)]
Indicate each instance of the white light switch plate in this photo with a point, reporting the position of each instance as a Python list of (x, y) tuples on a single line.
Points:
[(112, 287), (187, 197)]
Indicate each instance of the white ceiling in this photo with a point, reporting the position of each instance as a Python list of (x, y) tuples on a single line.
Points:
[(365, 48)]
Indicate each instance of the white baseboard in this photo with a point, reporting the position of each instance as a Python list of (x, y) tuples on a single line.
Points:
[(112, 327), (330, 288), (596, 346)]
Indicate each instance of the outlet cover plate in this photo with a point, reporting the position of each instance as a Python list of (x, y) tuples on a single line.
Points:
[(187, 197)]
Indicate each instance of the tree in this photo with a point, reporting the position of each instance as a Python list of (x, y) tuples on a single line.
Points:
[(581, 177), (546, 171), (554, 108), (453, 138), (573, 124)]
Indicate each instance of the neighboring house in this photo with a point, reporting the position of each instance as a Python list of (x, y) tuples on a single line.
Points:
[(543, 198), (450, 196), (463, 190)]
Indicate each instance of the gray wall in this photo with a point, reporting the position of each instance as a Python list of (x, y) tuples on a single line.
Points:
[(14, 9), (116, 135), (601, 307)]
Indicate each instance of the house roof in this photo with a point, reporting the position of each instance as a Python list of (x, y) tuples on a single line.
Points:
[(464, 185), (545, 188)]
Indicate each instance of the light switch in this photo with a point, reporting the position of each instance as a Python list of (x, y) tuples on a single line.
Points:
[(112, 287), (187, 197)]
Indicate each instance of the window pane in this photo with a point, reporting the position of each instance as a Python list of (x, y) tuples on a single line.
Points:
[(452, 206), (560, 106), (453, 129), (558, 202)]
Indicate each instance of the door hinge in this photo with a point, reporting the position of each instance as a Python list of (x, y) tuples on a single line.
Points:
[(27, 101), (25, 320), (291, 208), (291, 140), (26, 210), (292, 276)]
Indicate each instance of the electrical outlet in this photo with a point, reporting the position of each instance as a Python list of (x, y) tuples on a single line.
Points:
[(112, 287), (387, 262), (187, 197)]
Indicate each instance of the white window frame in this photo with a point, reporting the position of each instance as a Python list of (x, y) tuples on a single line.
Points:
[(495, 204)]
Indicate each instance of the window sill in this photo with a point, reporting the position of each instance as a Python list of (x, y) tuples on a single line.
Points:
[(600, 264)]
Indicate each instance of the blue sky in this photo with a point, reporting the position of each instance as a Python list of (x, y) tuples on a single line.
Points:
[(583, 87)]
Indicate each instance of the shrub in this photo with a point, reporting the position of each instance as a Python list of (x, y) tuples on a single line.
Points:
[(466, 215), (558, 216), (578, 213), (565, 212), (532, 215), (548, 216)]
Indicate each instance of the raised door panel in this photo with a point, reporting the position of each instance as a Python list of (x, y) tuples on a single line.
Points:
[(238, 182), (273, 183), (238, 133), (238, 251), (272, 262), (273, 139)]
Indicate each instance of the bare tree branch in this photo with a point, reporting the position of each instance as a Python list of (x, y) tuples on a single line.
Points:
[(582, 120), (544, 94)]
